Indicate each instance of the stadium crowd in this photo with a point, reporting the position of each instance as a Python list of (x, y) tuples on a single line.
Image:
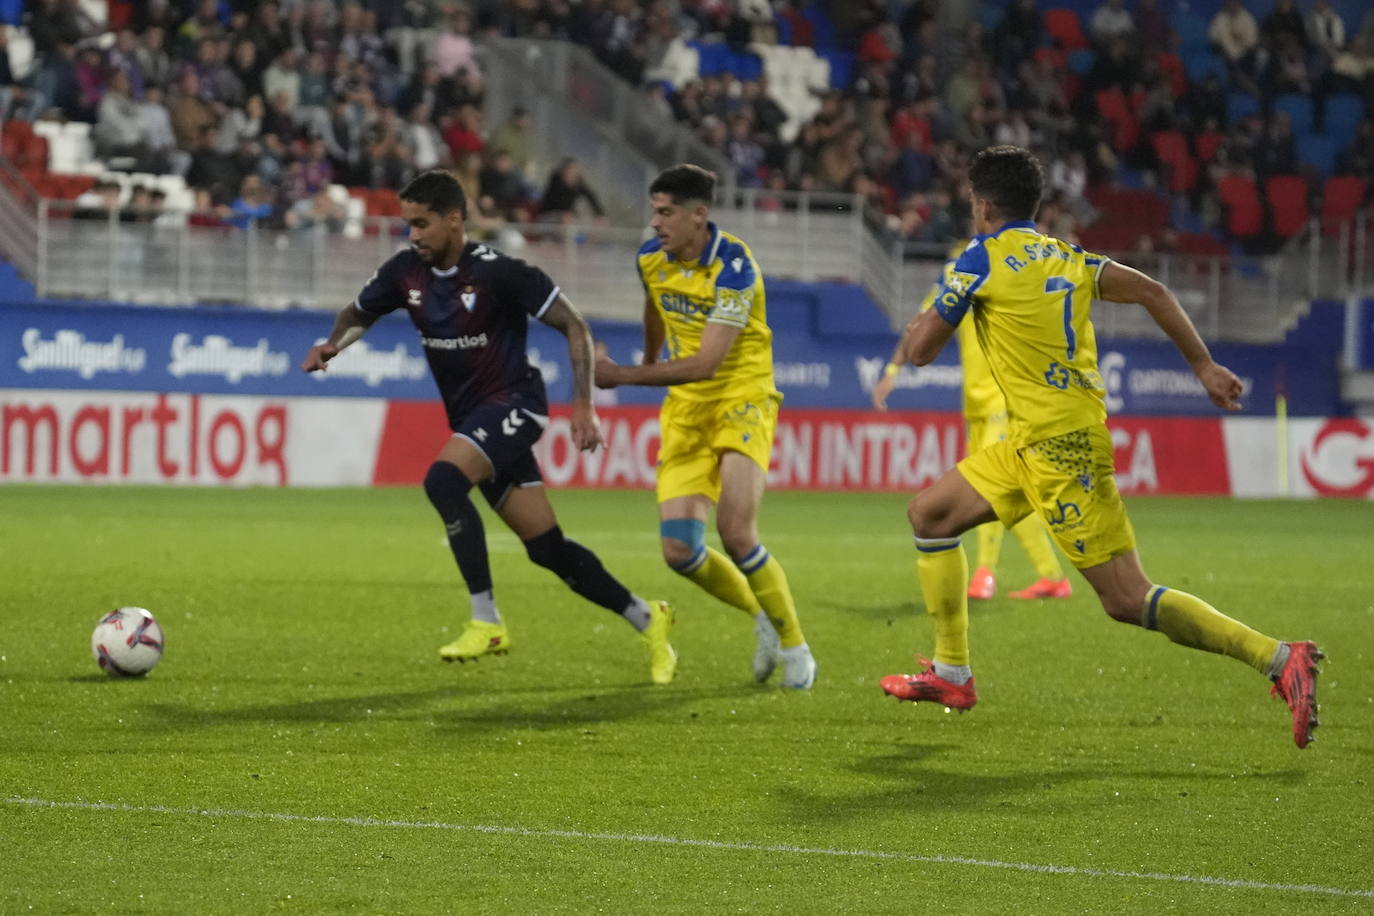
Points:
[(262, 105)]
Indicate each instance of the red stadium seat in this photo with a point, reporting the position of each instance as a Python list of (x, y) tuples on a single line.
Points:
[(1171, 148), (1065, 28), (1341, 200), (1113, 106), (1244, 216), (1208, 142), (1287, 196), (1201, 243)]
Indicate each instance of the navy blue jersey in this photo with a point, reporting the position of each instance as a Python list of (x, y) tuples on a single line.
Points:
[(473, 320)]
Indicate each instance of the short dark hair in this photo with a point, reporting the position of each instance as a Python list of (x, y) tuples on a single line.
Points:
[(1010, 177), (685, 182), (438, 190)]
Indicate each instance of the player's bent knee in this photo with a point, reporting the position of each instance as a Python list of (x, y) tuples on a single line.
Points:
[(738, 540), (445, 482), (684, 543), (926, 521)]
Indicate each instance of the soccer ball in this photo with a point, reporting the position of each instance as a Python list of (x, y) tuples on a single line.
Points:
[(127, 642)]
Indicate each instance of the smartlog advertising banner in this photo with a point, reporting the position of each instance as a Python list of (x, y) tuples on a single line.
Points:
[(214, 396)]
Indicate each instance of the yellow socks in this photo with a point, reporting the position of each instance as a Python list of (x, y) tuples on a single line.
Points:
[(769, 585), (1190, 621), (721, 579), (943, 572), (989, 544), (1030, 531)]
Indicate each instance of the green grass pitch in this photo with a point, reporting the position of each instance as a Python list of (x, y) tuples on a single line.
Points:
[(301, 748)]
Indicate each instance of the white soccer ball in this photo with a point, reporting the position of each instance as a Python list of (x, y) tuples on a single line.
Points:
[(127, 642)]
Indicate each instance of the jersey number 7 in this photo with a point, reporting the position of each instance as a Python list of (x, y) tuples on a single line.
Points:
[(1054, 285)]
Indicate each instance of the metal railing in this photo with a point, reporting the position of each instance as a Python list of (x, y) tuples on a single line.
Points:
[(802, 237)]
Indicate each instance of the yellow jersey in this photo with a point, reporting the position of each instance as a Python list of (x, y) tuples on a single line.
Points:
[(982, 397), (724, 286), (1031, 297)]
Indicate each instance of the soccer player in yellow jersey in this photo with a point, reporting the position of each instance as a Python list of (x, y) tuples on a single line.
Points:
[(985, 417), (1029, 296), (704, 297)]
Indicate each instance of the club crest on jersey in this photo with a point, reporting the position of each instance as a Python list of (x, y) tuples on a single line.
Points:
[(468, 297), (737, 264), (413, 298)]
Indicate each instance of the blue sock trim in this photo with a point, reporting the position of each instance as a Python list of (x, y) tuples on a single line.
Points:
[(1152, 612), (753, 561), (693, 563), (935, 545)]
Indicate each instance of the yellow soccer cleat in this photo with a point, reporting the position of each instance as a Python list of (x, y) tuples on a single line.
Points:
[(662, 658), (477, 639)]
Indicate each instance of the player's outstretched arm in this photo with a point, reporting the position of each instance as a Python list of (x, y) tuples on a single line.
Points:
[(1120, 283), (716, 341), (563, 316), (882, 388), (349, 324)]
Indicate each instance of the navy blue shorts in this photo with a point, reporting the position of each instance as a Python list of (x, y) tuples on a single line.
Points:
[(505, 431)]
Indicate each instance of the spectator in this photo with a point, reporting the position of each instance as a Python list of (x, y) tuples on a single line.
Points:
[(316, 211), (1235, 34), (206, 212), (1111, 21), (1152, 27), (1352, 70), (116, 132), (247, 67), (211, 169), (153, 60), (314, 91), (453, 50), (744, 153), (427, 148), (123, 57), (566, 187), (913, 169), (98, 203), (1277, 152), (503, 188), (1284, 26), (242, 125), (156, 134), (283, 75), (90, 82), (253, 205), (1016, 36), (428, 87), (1326, 29), (464, 132), (267, 32), (190, 113)]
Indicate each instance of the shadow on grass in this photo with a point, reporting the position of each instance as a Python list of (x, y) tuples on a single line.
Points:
[(915, 782), (505, 708)]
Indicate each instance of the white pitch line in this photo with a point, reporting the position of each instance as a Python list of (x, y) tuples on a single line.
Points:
[(1072, 870)]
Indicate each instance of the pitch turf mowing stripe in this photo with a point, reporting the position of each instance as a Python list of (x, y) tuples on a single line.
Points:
[(701, 844)]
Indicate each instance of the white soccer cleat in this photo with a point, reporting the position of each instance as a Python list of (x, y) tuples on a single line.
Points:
[(766, 649), (798, 667)]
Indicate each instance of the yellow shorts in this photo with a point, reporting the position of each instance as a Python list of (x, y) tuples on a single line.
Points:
[(986, 430), (696, 434), (1069, 480)]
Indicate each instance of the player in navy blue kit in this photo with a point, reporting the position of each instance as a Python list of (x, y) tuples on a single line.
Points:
[(471, 305)]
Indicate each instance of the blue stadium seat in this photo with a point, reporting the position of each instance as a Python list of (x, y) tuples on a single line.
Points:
[(784, 27), (1318, 151), (713, 58), (1241, 105), (1201, 63), (1344, 111), (821, 25), (745, 66), (990, 15), (841, 66), (1191, 30), (1298, 107), (12, 12), (1081, 62)]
